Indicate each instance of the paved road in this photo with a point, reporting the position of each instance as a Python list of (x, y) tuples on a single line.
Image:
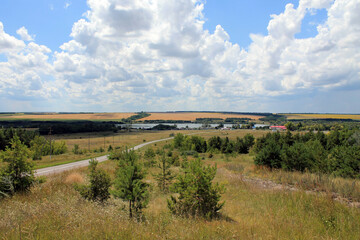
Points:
[(84, 163)]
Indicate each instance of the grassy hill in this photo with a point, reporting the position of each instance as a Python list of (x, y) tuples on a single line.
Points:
[(259, 204)]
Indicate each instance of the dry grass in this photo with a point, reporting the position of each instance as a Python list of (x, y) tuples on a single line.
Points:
[(322, 116), (193, 116), (54, 210), (346, 190), (91, 116), (74, 178)]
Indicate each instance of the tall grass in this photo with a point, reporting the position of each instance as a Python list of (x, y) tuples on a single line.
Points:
[(346, 188), (54, 210)]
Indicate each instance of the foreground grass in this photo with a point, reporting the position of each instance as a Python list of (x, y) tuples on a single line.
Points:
[(54, 210)]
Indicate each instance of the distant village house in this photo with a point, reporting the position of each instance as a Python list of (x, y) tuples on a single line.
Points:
[(278, 128)]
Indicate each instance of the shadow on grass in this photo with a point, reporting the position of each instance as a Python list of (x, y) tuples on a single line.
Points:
[(223, 217)]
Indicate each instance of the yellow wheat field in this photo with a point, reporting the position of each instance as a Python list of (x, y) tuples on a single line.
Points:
[(321, 116), (85, 116)]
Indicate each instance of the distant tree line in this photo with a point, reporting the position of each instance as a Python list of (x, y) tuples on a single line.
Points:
[(135, 117), (203, 120), (220, 120), (322, 124), (208, 120), (273, 118), (61, 127), (75, 127), (336, 153), (237, 120), (166, 121), (164, 127)]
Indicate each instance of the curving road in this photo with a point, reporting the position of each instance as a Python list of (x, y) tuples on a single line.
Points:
[(84, 163)]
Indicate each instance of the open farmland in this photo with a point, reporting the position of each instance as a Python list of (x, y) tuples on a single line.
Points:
[(70, 116), (322, 116), (192, 116)]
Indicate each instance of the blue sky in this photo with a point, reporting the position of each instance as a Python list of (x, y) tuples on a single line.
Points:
[(52, 20), (230, 55)]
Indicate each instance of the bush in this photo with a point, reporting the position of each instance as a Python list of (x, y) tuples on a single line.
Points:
[(297, 157), (336, 153), (59, 148), (76, 149), (175, 159), (110, 148), (100, 182), (269, 156), (6, 186), (345, 161), (149, 154), (17, 175), (198, 196), (37, 146)]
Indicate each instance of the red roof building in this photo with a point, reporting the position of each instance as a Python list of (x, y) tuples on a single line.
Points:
[(281, 128)]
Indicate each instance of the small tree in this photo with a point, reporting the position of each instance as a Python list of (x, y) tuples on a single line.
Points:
[(129, 184), (149, 156), (178, 140), (100, 182), (249, 141), (18, 169), (269, 155), (110, 148), (37, 146), (198, 196), (165, 176), (76, 149), (6, 186), (149, 153)]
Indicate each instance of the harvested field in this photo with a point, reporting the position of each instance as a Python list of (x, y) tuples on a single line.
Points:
[(85, 116), (322, 116), (192, 116)]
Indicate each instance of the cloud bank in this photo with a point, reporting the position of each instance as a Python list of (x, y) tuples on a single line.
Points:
[(156, 55)]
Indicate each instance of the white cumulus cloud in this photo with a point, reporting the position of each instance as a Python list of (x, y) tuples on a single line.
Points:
[(23, 33), (156, 55)]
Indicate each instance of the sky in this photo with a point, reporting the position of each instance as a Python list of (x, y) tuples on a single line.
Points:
[(177, 55)]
